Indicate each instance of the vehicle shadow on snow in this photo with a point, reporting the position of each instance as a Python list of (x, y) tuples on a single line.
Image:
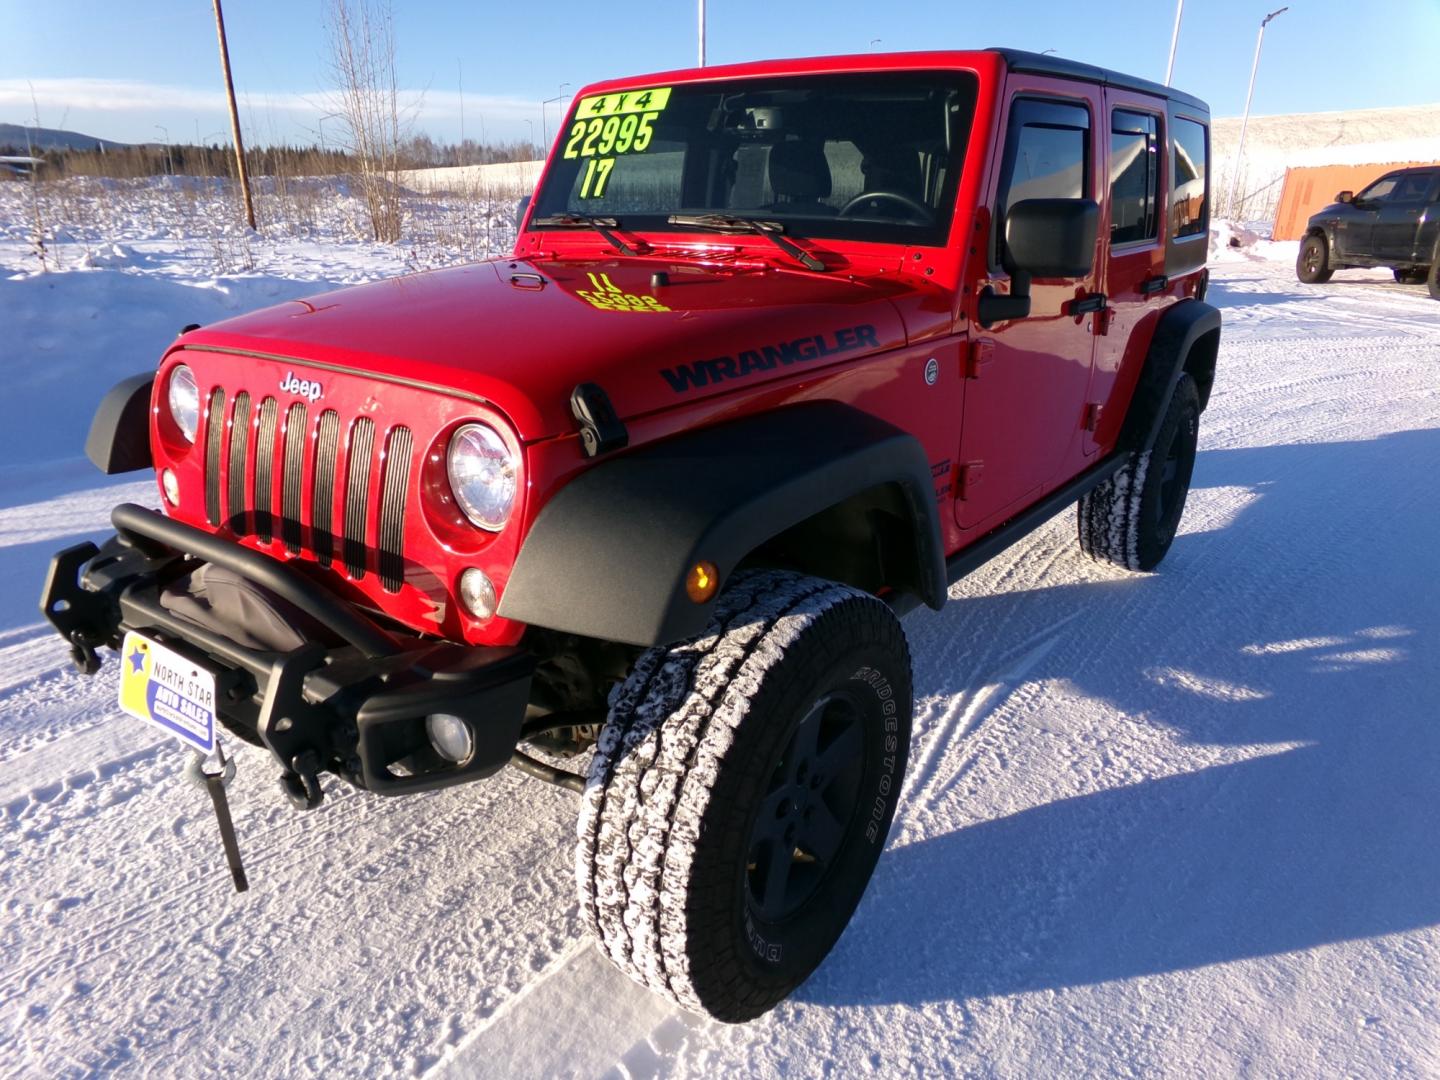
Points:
[(1310, 618), (1224, 293)]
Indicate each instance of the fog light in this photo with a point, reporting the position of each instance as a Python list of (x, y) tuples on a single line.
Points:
[(477, 593), (171, 487), (450, 736)]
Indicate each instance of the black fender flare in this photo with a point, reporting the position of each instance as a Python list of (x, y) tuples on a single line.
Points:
[(608, 555), (1186, 337), (119, 439)]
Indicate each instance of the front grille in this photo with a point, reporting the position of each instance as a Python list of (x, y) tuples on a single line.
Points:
[(239, 445), (263, 501), (214, 434), (357, 491), (326, 442), (294, 475), (392, 509), (302, 512)]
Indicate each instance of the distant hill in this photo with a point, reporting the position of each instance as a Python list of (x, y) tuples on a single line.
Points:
[(53, 139)]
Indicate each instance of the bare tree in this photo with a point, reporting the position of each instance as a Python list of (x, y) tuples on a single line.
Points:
[(362, 65)]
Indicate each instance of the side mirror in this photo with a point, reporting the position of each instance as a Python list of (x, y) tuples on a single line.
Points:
[(1051, 238), (520, 208), (1048, 238), (1345, 196)]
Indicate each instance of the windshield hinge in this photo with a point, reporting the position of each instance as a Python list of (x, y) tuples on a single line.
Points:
[(600, 429)]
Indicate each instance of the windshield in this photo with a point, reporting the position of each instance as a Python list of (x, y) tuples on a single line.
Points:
[(861, 157)]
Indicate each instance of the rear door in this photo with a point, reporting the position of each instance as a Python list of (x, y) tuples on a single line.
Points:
[(1134, 266), (1028, 377), (1399, 217)]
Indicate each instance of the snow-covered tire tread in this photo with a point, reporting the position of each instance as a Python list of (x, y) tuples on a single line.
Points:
[(654, 770)]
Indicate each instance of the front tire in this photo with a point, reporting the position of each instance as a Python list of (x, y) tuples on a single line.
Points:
[(1312, 265), (741, 792), (1130, 520)]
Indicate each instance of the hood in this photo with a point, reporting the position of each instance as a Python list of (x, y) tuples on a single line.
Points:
[(521, 334)]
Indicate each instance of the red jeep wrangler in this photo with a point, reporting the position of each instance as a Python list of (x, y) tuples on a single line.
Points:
[(783, 350)]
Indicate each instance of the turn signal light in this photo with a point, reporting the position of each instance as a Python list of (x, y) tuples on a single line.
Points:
[(702, 581)]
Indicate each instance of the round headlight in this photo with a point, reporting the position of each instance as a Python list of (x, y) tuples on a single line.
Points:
[(483, 475), (184, 397)]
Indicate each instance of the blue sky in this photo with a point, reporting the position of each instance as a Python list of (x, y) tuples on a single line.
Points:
[(137, 70)]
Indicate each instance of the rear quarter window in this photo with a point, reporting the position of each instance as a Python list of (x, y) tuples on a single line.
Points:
[(1189, 192)]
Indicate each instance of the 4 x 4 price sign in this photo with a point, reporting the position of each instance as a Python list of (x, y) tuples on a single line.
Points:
[(608, 125)]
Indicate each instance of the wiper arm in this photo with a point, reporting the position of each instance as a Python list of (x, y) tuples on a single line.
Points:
[(602, 225), (771, 230)]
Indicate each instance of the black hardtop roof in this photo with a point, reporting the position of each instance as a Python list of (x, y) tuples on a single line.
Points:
[(1031, 63)]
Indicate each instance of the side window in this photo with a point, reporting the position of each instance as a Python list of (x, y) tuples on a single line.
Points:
[(1412, 188), (1047, 156), (1380, 190), (1134, 177), (1189, 199)]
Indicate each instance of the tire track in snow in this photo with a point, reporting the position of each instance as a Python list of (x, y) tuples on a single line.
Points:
[(967, 709)]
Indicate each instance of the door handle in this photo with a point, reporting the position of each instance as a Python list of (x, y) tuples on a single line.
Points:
[(1154, 284)]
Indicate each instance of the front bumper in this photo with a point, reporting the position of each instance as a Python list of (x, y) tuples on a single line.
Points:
[(352, 700)]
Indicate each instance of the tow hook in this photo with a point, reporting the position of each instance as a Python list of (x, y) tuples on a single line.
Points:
[(301, 782), (290, 728), (83, 654)]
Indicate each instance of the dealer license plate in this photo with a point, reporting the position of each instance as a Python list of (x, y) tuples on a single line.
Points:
[(163, 688)]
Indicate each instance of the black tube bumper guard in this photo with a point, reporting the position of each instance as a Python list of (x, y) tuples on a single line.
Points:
[(356, 708)]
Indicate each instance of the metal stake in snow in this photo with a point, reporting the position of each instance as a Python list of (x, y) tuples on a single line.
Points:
[(234, 116), (1245, 120), (214, 783)]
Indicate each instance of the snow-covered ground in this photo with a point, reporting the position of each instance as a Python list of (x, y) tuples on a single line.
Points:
[(1184, 824)]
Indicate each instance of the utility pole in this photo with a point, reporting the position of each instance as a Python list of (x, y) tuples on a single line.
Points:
[(460, 85), (1174, 40), (234, 116), (1245, 120), (702, 33)]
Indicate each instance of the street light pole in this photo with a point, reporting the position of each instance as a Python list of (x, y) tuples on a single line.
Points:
[(1174, 40), (1245, 120), (544, 123)]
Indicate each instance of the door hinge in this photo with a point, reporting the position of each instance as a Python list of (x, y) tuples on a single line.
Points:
[(967, 477), (980, 353), (1102, 321), (1091, 419)]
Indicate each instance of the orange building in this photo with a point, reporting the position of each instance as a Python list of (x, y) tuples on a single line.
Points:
[(1313, 187)]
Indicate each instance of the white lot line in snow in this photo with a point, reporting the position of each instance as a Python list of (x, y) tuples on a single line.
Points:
[(1178, 824)]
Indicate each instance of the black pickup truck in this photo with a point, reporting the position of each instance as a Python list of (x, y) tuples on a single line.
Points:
[(1394, 222)]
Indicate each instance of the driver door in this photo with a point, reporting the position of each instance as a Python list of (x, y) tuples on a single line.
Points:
[(1355, 230), (1027, 378)]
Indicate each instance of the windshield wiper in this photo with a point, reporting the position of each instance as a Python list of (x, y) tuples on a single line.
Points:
[(771, 230), (602, 225)]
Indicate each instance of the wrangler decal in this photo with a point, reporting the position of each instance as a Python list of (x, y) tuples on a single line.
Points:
[(684, 377)]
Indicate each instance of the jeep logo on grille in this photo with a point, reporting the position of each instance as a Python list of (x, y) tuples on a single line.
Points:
[(304, 387)]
